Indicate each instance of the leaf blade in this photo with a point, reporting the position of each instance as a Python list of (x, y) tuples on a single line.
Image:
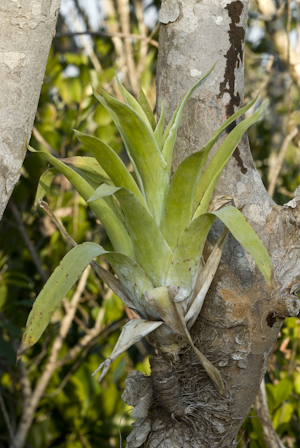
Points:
[(60, 282)]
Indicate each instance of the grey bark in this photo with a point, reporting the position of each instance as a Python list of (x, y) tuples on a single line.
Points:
[(241, 317), (26, 32)]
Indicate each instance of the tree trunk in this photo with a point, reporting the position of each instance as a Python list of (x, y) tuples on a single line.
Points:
[(27, 30), (241, 317)]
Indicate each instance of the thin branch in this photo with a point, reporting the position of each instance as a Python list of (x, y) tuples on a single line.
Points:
[(7, 421), (22, 229), (269, 17), (271, 437), (152, 42), (275, 172), (32, 404), (111, 281), (124, 16)]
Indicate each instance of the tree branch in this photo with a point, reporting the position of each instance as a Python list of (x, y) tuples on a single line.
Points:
[(271, 437), (152, 42)]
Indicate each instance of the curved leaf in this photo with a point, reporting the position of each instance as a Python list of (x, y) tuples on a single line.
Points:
[(144, 151), (48, 300), (143, 102), (212, 173), (134, 280), (113, 226), (158, 133), (185, 262), (184, 267), (134, 104), (150, 248), (179, 204), (170, 133), (111, 163), (90, 166), (44, 184), (246, 236), (131, 333)]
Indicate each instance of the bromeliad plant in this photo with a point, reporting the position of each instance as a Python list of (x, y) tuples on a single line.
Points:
[(158, 226)]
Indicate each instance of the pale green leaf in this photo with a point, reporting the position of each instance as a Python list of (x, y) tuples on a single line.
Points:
[(134, 280), (212, 173), (150, 248), (44, 184), (113, 226), (158, 133), (103, 191), (215, 138), (246, 236), (179, 204), (145, 153), (88, 165), (134, 104), (170, 133), (111, 163), (143, 102), (185, 262), (62, 279)]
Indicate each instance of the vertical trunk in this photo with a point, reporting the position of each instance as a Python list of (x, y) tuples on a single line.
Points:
[(26, 32), (241, 317)]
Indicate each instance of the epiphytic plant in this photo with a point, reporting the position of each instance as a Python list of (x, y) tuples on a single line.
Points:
[(158, 226)]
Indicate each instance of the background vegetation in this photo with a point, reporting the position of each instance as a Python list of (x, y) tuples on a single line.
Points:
[(53, 382)]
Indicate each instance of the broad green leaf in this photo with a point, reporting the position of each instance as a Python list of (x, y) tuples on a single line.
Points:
[(246, 236), (134, 280), (115, 119), (144, 151), (184, 267), (179, 204), (212, 173), (113, 226), (134, 104), (44, 184), (158, 133), (185, 262), (90, 166), (185, 185), (170, 133), (62, 279), (215, 138), (111, 163), (147, 108), (150, 248)]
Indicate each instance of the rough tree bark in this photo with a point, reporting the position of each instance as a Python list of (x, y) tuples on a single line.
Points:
[(26, 32), (242, 316)]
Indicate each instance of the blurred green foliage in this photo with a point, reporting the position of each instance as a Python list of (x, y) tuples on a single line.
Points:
[(75, 410)]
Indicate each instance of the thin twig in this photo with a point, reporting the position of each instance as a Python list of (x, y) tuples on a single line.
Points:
[(7, 421), (124, 16), (152, 42), (22, 229), (111, 281), (275, 173)]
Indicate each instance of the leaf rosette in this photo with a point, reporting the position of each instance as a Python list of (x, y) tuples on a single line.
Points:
[(158, 226)]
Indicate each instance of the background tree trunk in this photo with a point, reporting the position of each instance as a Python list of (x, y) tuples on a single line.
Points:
[(27, 29), (242, 316)]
